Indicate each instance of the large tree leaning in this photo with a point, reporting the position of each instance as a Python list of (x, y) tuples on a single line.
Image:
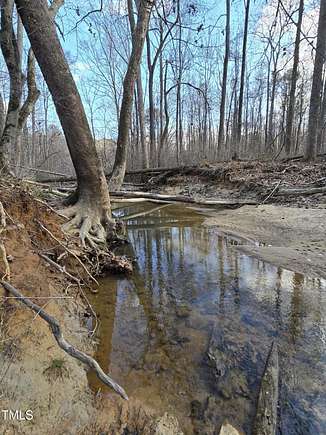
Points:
[(90, 210), (138, 39)]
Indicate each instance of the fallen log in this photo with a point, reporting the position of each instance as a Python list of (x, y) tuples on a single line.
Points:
[(300, 157), (301, 191), (265, 422), (143, 213), (179, 198), (63, 343)]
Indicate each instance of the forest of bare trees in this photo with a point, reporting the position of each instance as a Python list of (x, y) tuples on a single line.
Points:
[(192, 82)]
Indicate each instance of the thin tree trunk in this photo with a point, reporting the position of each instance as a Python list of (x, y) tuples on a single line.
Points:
[(225, 76), (243, 69), (138, 40), (294, 78)]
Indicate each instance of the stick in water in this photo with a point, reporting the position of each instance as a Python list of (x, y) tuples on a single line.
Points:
[(67, 347)]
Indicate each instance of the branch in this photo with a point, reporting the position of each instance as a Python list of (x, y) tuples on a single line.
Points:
[(65, 345), (86, 16)]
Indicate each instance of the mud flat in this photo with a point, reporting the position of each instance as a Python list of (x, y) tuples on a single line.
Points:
[(294, 238)]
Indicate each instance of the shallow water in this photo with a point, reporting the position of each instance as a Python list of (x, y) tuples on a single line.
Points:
[(190, 331)]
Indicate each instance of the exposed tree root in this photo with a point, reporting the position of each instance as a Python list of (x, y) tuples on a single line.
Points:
[(93, 226)]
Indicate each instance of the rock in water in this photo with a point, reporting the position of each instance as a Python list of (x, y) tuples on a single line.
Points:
[(228, 429)]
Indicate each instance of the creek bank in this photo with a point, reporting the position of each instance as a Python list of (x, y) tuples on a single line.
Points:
[(35, 373)]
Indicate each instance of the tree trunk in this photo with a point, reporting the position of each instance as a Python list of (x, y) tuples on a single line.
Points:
[(225, 76), (91, 211), (316, 89), (138, 40), (291, 106), (140, 97), (243, 69), (11, 50)]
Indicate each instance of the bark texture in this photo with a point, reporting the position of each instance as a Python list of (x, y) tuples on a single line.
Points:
[(139, 36), (294, 78), (91, 213), (225, 75), (316, 89)]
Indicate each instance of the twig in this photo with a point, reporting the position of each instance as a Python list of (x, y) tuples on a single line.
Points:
[(63, 344), (272, 192), (63, 270), (3, 251), (43, 171), (51, 208), (68, 250)]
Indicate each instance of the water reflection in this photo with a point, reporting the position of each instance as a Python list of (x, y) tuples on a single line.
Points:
[(190, 332)]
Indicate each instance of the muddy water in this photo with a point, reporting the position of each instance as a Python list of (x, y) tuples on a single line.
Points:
[(189, 333)]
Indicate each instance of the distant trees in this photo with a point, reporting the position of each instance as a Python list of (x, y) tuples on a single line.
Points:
[(203, 90)]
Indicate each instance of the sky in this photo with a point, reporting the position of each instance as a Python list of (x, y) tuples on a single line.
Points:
[(75, 34)]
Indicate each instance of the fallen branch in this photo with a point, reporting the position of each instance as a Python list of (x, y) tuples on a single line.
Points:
[(42, 171), (63, 344), (63, 270), (266, 413), (60, 268), (272, 192), (144, 213), (301, 191), (184, 199)]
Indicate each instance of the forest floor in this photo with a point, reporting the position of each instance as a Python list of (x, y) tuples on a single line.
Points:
[(289, 227)]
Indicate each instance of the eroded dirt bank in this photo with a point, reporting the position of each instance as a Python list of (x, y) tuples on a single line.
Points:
[(35, 374)]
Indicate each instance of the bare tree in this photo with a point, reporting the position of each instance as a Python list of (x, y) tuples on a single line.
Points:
[(90, 212), (243, 68), (291, 106), (138, 40), (225, 76)]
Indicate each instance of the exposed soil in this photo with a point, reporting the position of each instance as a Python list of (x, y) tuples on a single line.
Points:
[(290, 229), (35, 374)]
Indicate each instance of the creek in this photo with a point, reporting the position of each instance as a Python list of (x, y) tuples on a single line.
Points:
[(190, 331)]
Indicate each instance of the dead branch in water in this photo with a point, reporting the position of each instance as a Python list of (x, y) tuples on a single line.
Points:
[(63, 344), (144, 213), (266, 414)]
